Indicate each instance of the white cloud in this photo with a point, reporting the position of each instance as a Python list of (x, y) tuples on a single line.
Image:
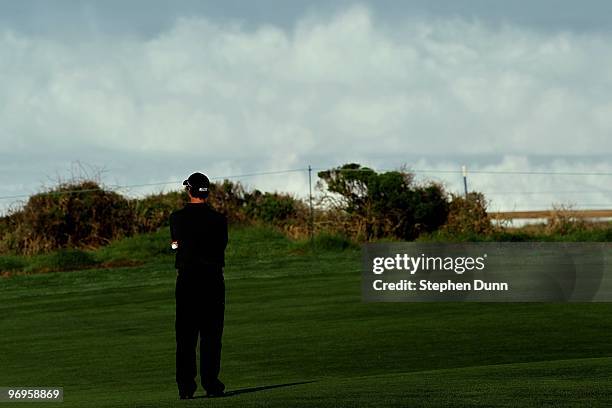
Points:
[(344, 87), (523, 183)]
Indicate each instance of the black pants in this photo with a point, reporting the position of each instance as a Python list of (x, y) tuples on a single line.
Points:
[(200, 309)]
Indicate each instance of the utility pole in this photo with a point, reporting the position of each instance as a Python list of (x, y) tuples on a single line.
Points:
[(311, 221), (464, 171)]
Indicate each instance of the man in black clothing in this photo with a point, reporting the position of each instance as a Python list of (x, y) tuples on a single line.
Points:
[(199, 235)]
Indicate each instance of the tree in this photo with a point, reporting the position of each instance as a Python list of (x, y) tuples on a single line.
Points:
[(385, 204)]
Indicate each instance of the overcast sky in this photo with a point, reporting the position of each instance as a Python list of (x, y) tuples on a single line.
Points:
[(149, 91)]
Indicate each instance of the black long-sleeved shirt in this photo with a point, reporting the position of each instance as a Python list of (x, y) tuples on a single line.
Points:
[(201, 233)]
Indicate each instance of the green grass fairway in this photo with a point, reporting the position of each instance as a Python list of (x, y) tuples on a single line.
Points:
[(296, 335)]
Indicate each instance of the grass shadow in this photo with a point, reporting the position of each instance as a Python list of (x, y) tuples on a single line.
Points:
[(256, 389)]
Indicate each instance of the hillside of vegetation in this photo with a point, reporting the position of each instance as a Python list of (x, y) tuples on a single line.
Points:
[(354, 202)]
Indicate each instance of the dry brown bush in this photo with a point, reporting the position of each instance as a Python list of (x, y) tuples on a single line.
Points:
[(468, 215), (562, 221)]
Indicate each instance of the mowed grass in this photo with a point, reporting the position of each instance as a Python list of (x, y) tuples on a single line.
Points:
[(296, 334)]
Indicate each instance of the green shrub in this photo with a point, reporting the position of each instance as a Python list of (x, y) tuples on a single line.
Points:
[(271, 207), (153, 211), (383, 204)]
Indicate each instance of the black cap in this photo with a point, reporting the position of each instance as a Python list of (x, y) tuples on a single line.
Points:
[(198, 185)]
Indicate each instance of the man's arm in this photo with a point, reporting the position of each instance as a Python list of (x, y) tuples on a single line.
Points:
[(174, 229)]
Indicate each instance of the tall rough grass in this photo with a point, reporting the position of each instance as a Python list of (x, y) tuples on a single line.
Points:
[(85, 215), (79, 215)]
